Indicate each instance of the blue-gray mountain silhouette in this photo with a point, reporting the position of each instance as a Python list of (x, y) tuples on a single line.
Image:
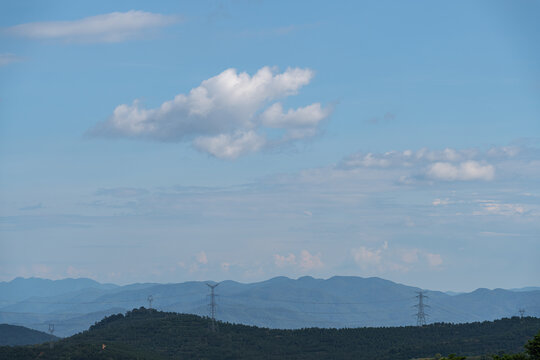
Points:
[(341, 301)]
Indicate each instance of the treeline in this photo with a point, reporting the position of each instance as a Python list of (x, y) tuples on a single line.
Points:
[(150, 334)]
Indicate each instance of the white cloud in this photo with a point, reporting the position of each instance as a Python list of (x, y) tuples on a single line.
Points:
[(201, 258), (409, 256), (112, 27), (384, 259), (379, 260), (365, 257), (225, 116), (492, 207), (468, 170), (305, 261), (447, 163), (438, 202), (434, 260), (309, 261), (230, 146), (408, 158), (296, 120), (504, 151), (6, 59), (426, 166), (282, 260)]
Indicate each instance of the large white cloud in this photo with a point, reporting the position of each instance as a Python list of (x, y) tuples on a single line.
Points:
[(300, 122), (112, 27), (225, 116)]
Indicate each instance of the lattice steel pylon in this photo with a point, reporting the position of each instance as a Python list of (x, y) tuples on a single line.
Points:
[(51, 331), (212, 306), (421, 306)]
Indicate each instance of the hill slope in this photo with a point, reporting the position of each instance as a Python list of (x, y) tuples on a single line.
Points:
[(19, 335), (149, 334)]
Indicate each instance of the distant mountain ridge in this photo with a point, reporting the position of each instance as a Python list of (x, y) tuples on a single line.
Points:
[(23, 288), (13, 335), (340, 301)]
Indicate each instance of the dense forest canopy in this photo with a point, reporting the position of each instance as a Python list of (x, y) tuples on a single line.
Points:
[(151, 334)]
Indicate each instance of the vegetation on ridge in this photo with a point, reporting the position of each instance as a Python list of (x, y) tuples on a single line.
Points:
[(150, 334)]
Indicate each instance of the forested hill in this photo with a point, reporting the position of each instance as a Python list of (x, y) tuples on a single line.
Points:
[(19, 335), (150, 334)]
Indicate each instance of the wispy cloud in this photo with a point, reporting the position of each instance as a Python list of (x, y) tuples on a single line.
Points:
[(122, 192), (226, 116), (387, 117), (111, 27), (32, 207), (440, 165), (290, 223), (383, 258), (6, 59), (493, 207), (277, 31)]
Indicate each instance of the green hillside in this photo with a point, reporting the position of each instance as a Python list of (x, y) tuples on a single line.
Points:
[(20, 335), (150, 334)]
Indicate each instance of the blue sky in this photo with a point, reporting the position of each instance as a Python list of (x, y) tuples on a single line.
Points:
[(171, 141)]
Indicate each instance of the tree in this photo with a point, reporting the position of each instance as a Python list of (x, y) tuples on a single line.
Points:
[(454, 357), (533, 347)]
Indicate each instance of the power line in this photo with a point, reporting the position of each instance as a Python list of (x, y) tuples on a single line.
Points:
[(464, 315), (326, 303)]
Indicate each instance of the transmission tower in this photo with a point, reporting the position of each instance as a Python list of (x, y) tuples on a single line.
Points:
[(421, 306), (521, 312), (150, 299), (212, 306), (51, 331)]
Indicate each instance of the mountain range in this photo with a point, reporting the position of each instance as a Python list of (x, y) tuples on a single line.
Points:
[(341, 301)]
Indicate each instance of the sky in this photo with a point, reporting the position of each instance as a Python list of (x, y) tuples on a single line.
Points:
[(179, 140)]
